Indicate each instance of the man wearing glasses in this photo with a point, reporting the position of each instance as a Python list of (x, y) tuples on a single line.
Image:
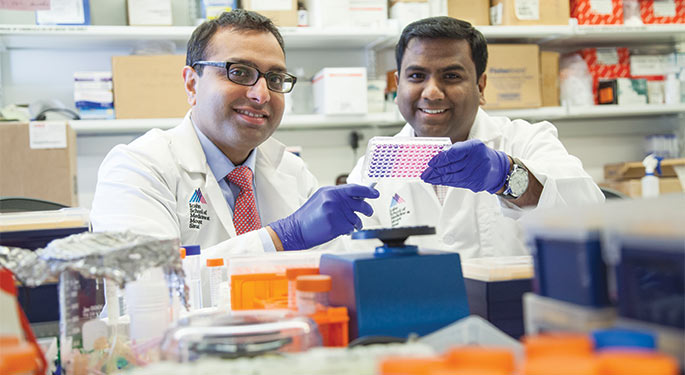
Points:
[(218, 179)]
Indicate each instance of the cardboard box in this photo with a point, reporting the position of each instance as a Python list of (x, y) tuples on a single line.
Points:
[(662, 11), (590, 12), (549, 78), (282, 13), (635, 169), (607, 63), (340, 91), (633, 188), (34, 172), (513, 76), (516, 12), (149, 86), (477, 12)]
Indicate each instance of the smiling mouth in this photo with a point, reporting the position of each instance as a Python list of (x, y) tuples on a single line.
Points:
[(250, 114), (432, 111)]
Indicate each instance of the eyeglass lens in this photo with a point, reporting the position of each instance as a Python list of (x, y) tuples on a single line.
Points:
[(247, 75)]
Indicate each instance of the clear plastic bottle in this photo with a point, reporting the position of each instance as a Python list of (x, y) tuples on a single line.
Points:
[(192, 267), (312, 293), (291, 274), (149, 305), (650, 182), (302, 15), (215, 272)]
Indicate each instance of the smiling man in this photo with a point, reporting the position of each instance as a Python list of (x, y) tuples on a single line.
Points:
[(474, 192), (218, 179)]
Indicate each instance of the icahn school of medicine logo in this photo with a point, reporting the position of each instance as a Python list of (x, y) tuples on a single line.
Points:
[(398, 209), (196, 206)]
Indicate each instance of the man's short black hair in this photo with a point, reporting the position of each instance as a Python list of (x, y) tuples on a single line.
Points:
[(237, 19), (448, 28)]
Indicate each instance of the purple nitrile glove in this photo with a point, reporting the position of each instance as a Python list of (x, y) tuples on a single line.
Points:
[(327, 214), (471, 165)]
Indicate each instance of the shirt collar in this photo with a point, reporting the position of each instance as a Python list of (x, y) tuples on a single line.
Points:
[(217, 161)]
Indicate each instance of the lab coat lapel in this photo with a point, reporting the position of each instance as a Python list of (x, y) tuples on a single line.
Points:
[(275, 189), (191, 158)]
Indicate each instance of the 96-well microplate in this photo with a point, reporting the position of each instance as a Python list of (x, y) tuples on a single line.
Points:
[(400, 158)]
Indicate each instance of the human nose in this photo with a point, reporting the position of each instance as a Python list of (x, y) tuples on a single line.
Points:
[(432, 90), (259, 92)]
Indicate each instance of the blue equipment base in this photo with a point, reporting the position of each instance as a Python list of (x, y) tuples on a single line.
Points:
[(397, 293)]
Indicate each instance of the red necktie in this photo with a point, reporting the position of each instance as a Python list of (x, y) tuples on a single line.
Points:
[(245, 215)]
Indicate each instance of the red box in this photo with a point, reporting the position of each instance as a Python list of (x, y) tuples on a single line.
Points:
[(647, 11), (583, 12), (600, 68)]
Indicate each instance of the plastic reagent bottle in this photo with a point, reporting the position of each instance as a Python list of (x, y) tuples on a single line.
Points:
[(192, 267), (312, 293), (650, 182), (215, 272)]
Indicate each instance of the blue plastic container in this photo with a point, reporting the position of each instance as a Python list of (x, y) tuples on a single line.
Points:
[(397, 290), (650, 279), (623, 338), (569, 267)]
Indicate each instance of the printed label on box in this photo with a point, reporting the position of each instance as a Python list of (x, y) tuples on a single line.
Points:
[(527, 9), (602, 6), (47, 134), (607, 56), (664, 8), (258, 5), (649, 65)]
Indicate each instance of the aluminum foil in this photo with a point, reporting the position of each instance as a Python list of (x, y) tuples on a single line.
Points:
[(119, 256)]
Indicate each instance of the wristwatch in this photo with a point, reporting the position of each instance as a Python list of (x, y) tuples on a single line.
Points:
[(517, 181)]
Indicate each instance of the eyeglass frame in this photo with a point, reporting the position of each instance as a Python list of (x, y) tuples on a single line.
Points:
[(227, 64)]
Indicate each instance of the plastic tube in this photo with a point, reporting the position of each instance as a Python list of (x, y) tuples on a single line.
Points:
[(312, 293), (215, 272), (192, 267)]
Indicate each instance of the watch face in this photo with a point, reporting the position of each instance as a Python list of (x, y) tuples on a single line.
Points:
[(518, 182)]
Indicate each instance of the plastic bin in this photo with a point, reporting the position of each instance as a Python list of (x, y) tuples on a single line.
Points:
[(547, 314), (650, 277), (569, 267), (495, 288)]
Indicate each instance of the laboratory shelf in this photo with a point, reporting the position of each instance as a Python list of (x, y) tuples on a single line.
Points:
[(290, 122), (105, 37), (391, 119)]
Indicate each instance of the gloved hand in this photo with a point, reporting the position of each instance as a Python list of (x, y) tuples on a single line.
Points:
[(327, 214), (471, 165)]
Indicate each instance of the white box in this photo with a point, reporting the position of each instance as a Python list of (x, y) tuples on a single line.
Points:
[(368, 13), (406, 13), (149, 12), (345, 13), (339, 91), (328, 13)]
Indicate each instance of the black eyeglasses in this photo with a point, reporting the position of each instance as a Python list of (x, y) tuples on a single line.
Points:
[(248, 76)]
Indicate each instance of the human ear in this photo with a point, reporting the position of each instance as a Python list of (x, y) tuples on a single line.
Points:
[(190, 82)]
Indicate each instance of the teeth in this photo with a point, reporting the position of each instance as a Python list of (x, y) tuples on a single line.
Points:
[(433, 111), (249, 113)]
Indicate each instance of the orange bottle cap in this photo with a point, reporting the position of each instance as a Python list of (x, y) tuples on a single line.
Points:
[(314, 283), (411, 366), (479, 358), (558, 344), (635, 362), (557, 365), (182, 251), (18, 359), (8, 340), (293, 273), (215, 262)]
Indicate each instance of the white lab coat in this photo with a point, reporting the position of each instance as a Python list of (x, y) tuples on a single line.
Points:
[(482, 224), (149, 185)]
